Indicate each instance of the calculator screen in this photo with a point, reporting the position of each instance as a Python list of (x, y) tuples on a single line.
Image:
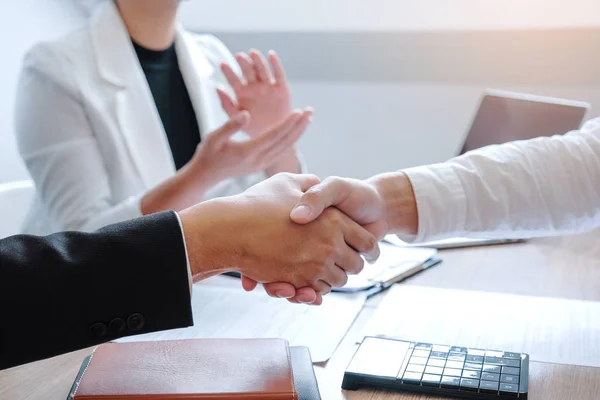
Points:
[(379, 357)]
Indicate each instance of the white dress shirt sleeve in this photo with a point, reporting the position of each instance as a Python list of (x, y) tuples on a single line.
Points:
[(187, 258), (522, 189)]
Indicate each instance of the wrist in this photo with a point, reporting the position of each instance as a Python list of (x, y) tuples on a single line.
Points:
[(287, 162), (209, 238), (399, 200)]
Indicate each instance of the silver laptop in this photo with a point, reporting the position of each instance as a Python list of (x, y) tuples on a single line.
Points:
[(506, 116)]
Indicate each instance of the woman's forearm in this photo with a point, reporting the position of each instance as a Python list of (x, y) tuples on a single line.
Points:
[(186, 188)]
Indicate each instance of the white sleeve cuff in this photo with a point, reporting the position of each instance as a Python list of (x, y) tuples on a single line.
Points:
[(441, 202), (187, 259)]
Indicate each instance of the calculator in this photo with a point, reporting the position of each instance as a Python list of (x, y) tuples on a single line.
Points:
[(452, 371)]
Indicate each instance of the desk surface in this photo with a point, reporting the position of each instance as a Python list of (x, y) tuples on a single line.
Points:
[(566, 267)]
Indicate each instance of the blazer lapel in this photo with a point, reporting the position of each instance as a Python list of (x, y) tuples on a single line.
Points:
[(197, 71), (136, 113)]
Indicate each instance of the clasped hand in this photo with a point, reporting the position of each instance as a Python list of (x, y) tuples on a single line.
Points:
[(354, 209)]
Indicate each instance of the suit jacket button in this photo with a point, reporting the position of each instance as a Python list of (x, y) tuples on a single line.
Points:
[(136, 322), (117, 326), (98, 331)]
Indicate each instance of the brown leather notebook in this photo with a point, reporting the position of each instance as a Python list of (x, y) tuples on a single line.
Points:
[(198, 369)]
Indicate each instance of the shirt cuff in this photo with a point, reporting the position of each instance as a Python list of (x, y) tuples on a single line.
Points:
[(187, 259), (441, 202)]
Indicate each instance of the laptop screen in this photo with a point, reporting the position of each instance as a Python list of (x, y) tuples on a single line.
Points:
[(503, 119)]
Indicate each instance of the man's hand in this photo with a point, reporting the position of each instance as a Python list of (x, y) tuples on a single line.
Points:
[(262, 92), (252, 233), (383, 204)]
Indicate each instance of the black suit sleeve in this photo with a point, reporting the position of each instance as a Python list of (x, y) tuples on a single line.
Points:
[(73, 290)]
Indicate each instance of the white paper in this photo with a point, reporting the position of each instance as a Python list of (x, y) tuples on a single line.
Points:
[(223, 310), (548, 329)]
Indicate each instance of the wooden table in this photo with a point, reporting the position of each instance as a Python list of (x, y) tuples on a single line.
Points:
[(565, 267)]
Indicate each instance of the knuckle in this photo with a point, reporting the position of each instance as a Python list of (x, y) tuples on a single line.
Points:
[(359, 266)]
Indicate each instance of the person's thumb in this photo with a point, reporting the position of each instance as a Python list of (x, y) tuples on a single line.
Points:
[(330, 192), (238, 122)]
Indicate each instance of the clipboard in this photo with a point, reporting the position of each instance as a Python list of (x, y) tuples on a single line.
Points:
[(394, 265)]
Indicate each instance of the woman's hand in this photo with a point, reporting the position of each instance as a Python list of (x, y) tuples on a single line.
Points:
[(218, 157), (265, 94)]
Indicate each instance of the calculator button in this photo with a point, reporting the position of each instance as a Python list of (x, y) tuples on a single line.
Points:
[(476, 352), (476, 359), (452, 372), (415, 368), (508, 354), (492, 368), (488, 387), (510, 371), (442, 349), (418, 360), (510, 379), (469, 384), (434, 370), (439, 354), (423, 346), (450, 382), (456, 356), (436, 362), (431, 380), (493, 353), (420, 353), (473, 366), (471, 374), (456, 349), (493, 360), (454, 364), (502, 361), (412, 378), (486, 376), (509, 388), (511, 362)]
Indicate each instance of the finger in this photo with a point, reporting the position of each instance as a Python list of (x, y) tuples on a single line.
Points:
[(306, 295), (248, 284), (261, 69), (306, 181), (280, 289), (232, 78), (330, 192), (322, 287), (319, 300), (361, 240), (335, 276), (278, 70), (287, 140), (227, 103), (246, 66), (234, 125), (350, 261)]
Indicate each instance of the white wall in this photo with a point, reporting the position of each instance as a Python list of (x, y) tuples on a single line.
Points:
[(385, 15), (23, 23), (362, 129), (359, 128)]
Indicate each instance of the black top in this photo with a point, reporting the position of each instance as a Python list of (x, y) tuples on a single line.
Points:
[(172, 101)]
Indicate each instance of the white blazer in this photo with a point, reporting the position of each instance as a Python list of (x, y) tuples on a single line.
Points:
[(88, 128)]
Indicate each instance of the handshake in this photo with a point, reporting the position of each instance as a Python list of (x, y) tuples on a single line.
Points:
[(297, 236)]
